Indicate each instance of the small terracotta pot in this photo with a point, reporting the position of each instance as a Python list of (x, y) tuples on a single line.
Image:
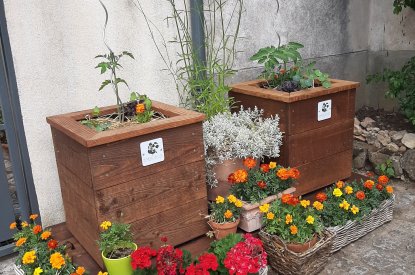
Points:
[(221, 230), (302, 247)]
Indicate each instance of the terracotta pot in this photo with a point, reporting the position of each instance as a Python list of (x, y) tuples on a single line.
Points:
[(221, 230), (302, 247)]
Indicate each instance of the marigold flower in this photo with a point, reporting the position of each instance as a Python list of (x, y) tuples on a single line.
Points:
[(249, 162), (25, 224), (345, 205), (265, 168), (102, 273), (360, 195), (305, 203), (321, 197), (52, 244), (340, 184), (288, 219), (369, 184), (12, 226), (140, 108), (105, 225), (228, 214), (45, 235), (29, 257), (389, 189), (80, 270), (348, 189), (309, 219), (33, 216), (37, 229), (231, 178), (383, 179), (264, 208), (337, 192), (232, 198), (272, 164), (379, 187), (270, 216), (21, 241), (239, 203), (283, 174), (293, 229), (318, 205), (294, 173), (240, 176), (286, 198), (220, 199), (57, 260), (294, 201), (37, 271), (262, 184), (354, 209), (370, 174)]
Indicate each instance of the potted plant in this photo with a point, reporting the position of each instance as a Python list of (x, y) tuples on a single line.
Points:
[(351, 210), (224, 215), (116, 245), (313, 111), (256, 186), (38, 252), (229, 138), (293, 236)]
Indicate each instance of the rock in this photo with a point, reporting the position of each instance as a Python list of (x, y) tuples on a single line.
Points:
[(409, 140), (383, 138), (356, 121), (396, 165), (398, 135), (360, 160), (392, 147), (359, 147), (371, 138), (391, 133), (377, 144), (402, 149), (377, 158), (408, 163), (357, 130), (373, 129), (361, 138), (367, 122)]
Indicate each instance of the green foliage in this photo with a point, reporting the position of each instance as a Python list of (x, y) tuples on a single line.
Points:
[(307, 76), (92, 123), (221, 247), (223, 206), (116, 236), (401, 85), (398, 5), (386, 168)]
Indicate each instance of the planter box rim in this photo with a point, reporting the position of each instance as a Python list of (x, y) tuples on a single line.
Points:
[(69, 124), (249, 206), (252, 88)]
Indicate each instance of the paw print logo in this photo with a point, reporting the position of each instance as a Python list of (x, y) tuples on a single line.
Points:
[(152, 148), (325, 107)]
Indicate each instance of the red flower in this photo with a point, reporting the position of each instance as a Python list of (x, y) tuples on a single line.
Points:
[(360, 195), (262, 184), (265, 168), (321, 197), (383, 180), (379, 187), (37, 229), (208, 261), (249, 162), (294, 173), (169, 260), (294, 201), (370, 174), (164, 239), (52, 244), (231, 178), (141, 258), (286, 198), (368, 184)]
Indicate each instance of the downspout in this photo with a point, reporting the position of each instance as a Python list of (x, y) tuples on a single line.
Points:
[(197, 21)]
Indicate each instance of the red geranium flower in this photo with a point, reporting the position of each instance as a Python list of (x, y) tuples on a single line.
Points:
[(141, 258), (164, 239)]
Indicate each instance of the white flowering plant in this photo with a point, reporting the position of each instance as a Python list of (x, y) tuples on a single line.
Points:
[(239, 135)]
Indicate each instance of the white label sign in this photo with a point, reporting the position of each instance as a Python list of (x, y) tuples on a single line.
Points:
[(324, 110), (152, 151)]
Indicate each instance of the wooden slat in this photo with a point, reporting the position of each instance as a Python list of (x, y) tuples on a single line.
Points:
[(121, 162), (68, 178), (147, 196)]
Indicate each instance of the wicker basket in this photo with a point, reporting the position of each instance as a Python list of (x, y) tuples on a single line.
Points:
[(354, 230), (284, 261), (18, 270)]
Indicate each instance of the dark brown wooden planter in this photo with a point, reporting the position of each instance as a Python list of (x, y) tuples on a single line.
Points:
[(321, 150), (102, 177)]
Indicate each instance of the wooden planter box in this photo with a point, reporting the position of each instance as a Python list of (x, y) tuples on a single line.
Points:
[(102, 177), (321, 149)]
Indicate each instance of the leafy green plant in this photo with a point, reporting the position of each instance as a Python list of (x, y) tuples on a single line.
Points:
[(307, 76), (386, 168), (93, 123), (398, 5), (116, 240), (401, 85), (221, 247), (225, 210)]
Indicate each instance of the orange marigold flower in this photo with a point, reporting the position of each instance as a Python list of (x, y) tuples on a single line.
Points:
[(249, 162), (25, 224), (369, 184), (286, 198), (262, 184), (370, 174), (80, 270), (37, 229), (240, 176), (140, 108), (45, 235), (293, 229), (340, 184), (288, 219), (228, 214), (52, 244), (383, 179), (231, 178), (321, 197), (294, 201), (33, 216), (348, 189), (21, 241), (379, 187), (57, 260), (29, 257), (294, 173), (318, 205), (13, 225), (360, 195), (265, 168), (272, 164), (389, 189), (283, 174)]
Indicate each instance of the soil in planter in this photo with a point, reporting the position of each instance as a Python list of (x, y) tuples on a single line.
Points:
[(120, 253), (287, 86), (393, 121)]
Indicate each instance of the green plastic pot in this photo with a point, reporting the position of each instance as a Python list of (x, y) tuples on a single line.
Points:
[(120, 266)]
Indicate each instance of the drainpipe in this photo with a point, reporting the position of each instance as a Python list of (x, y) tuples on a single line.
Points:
[(197, 20)]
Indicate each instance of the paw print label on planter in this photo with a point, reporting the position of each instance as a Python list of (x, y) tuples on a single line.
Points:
[(324, 110), (152, 151)]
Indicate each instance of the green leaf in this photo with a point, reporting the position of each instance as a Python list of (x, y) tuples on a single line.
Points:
[(326, 84), (128, 54), (96, 111), (120, 80), (133, 96), (103, 66), (104, 83), (317, 72)]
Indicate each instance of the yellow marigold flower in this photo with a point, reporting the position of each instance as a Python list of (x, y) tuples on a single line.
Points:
[(21, 241), (232, 198), (309, 219), (228, 214), (345, 205), (337, 192), (288, 219), (340, 184), (12, 225), (354, 209), (318, 205), (239, 203), (33, 216), (29, 257), (102, 273), (45, 235), (348, 189), (293, 229), (220, 199), (305, 203), (272, 164), (80, 270), (389, 189), (57, 260), (105, 225), (37, 271), (25, 224), (264, 208), (270, 216)]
